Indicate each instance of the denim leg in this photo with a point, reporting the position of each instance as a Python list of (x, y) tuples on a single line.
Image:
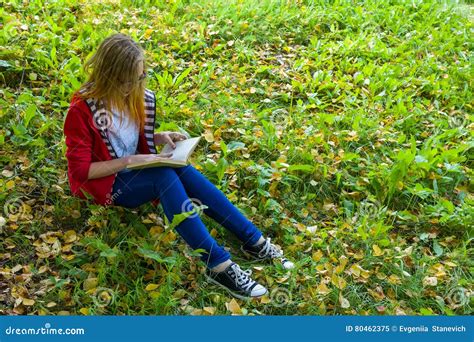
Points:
[(219, 208), (141, 186)]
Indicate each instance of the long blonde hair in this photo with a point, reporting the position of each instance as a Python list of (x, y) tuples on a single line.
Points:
[(112, 77)]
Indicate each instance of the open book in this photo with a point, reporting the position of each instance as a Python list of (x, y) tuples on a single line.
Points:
[(180, 156)]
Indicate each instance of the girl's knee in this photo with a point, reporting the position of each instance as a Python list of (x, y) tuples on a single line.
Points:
[(161, 176), (163, 171), (184, 169)]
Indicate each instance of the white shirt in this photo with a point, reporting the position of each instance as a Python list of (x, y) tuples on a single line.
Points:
[(123, 136)]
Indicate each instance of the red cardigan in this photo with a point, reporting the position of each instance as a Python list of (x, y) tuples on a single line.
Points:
[(84, 145)]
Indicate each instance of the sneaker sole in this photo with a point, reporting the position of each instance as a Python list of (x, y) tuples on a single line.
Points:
[(236, 295)]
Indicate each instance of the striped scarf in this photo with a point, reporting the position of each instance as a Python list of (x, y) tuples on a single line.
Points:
[(102, 120)]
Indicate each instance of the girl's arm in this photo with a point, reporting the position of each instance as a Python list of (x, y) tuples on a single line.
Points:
[(109, 167), (78, 138), (106, 168)]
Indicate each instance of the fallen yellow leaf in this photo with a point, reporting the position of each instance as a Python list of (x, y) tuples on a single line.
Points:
[(151, 287), (339, 282), (210, 310), (234, 307), (90, 283), (343, 261), (377, 250), (148, 33), (394, 279), (70, 236), (323, 289), (209, 137), (430, 281), (51, 304), (28, 302), (84, 311), (154, 294), (344, 302), (16, 268), (355, 270), (317, 255)]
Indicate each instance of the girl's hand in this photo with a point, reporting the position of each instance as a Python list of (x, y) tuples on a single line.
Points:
[(168, 138), (142, 158)]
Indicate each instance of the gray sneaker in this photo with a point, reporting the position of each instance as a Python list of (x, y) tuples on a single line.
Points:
[(237, 282), (267, 251)]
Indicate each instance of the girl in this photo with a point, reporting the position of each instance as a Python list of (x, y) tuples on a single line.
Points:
[(110, 124)]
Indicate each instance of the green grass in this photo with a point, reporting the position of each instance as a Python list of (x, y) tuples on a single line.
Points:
[(351, 118)]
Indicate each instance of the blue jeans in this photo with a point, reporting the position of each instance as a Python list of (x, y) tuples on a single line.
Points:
[(175, 187)]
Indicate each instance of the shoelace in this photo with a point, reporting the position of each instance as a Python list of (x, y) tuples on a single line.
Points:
[(242, 278), (269, 249)]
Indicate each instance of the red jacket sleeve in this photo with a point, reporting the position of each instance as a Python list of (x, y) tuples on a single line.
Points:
[(79, 140)]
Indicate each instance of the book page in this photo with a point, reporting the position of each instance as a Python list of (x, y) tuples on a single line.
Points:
[(183, 149), (180, 156)]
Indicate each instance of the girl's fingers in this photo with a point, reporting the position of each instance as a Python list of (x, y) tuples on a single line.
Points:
[(170, 141), (154, 157), (178, 136)]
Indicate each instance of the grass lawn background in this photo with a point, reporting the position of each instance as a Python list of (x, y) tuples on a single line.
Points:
[(342, 129)]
